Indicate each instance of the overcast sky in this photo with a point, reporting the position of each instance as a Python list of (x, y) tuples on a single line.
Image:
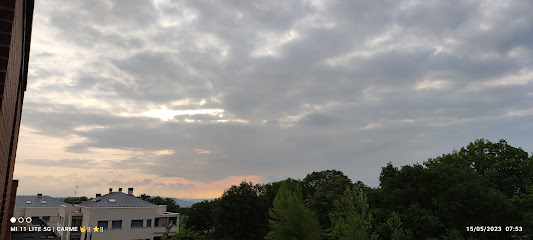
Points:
[(186, 98)]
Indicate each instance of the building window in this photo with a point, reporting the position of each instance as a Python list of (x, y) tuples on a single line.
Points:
[(149, 223), (116, 224), (156, 222), (102, 224), (173, 220), (136, 223), (28, 202), (46, 218), (76, 222), (112, 200)]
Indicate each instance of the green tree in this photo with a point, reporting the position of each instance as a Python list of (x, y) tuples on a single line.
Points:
[(508, 168), (438, 198), (75, 200), (524, 203), (351, 219), (200, 218), (241, 213), (397, 231), (145, 197), (320, 190), (171, 204), (271, 189), (289, 217), (186, 234)]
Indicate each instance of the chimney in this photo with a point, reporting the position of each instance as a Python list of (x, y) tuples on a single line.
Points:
[(110, 190), (130, 191), (39, 195), (98, 195), (120, 189)]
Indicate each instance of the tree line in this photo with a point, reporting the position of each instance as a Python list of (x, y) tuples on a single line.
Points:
[(485, 184)]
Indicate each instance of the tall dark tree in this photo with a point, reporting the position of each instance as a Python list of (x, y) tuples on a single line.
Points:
[(241, 213), (524, 204), (271, 189), (397, 231), (320, 190), (351, 218), (483, 184), (508, 168), (171, 204), (444, 195), (200, 217), (289, 217)]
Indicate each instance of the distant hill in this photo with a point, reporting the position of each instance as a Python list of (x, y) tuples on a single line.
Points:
[(185, 202)]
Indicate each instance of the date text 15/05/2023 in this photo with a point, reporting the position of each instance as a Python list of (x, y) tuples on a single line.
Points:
[(494, 228)]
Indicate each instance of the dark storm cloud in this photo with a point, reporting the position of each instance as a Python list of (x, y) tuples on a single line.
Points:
[(349, 85)]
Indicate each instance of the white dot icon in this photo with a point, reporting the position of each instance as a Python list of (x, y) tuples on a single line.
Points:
[(13, 219)]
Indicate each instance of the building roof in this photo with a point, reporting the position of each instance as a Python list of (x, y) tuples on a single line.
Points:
[(118, 200), (37, 201)]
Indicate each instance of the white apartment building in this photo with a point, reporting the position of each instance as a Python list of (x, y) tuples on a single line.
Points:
[(38, 207), (116, 215)]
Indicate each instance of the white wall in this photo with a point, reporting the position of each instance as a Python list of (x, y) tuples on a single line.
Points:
[(91, 216), (38, 212)]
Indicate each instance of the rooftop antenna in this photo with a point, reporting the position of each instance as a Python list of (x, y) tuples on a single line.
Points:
[(76, 191)]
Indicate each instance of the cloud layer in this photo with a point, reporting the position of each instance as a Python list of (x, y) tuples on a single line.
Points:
[(182, 94)]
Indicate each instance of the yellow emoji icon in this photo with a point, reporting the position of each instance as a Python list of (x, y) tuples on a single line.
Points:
[(82, 229), (95, 229)]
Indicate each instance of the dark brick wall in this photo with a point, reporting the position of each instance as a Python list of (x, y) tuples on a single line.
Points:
[(11, 209), (13, 60)]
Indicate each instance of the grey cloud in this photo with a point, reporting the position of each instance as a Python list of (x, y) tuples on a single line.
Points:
[(61, 119), (79, 148), (161, 77), (292, 151), (316, 120), (439, 17), (42, 54), (42, 73), (86, 82), (354, 116), (72, 163), (180, 186), (112, 13), (118, 183), (197, 117)]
